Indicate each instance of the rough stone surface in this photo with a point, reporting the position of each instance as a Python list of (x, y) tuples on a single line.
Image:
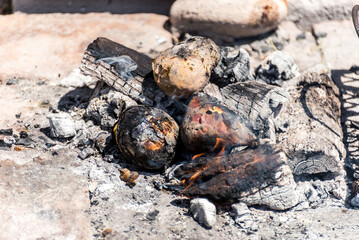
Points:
[(204, 211), (42, 197), (62, 125), (307, 12), (62, 38), (309, 58), (237, 18), (276, 68), (85, 6)]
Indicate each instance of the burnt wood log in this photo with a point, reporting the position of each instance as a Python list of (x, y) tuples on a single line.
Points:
[(255, 176), (303, 118), (309, 127), (141, 87)]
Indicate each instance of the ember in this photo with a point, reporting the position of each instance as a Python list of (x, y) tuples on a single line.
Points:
[(226, 177), (129, 177)]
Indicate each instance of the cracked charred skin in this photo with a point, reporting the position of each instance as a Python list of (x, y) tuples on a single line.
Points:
[(146, 136), (206, 121)]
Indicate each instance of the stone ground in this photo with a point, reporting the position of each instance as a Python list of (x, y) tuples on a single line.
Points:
[(48, 192)]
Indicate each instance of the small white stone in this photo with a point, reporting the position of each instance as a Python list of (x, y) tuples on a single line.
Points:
[(204, 211), (62, 125)]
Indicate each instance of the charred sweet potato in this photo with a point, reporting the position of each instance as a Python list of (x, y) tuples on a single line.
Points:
[(147, 136)]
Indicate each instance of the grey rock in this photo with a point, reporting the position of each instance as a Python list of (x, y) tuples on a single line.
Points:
[(234, 66), (62, 125), (204, 211), (242, 216), (85, 153), (355, 201), (276, 68)]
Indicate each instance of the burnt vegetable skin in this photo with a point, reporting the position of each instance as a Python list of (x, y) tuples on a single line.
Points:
[(146, 136)]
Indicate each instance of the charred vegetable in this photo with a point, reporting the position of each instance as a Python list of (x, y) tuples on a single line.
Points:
[(147, 136), (206, 121)]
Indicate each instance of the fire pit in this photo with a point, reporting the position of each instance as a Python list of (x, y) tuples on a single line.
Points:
[(240, 139)]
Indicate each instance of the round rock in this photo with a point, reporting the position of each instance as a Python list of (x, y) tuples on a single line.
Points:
[(186, 67), (234, 18), (147, 136)]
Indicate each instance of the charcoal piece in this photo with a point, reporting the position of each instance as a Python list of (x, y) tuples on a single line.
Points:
[(233, 67), (207, 121), (255, 176), (147, 136), (277, 68), (7, 132)]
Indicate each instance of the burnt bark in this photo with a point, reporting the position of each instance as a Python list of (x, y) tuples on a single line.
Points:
[(255, 176)]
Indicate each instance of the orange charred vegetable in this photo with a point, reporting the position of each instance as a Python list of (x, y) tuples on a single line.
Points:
[(147, 136)]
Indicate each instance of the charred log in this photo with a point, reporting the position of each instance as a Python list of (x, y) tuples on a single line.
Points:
[(249, 175), (206, 121), (309, 128), (304, 119), (146, 136), (113, 64)]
